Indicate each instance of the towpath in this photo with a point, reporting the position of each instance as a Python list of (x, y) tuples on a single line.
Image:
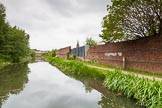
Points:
[(127, 73)]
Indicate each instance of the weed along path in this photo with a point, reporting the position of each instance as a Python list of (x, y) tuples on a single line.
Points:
[(127, 73)]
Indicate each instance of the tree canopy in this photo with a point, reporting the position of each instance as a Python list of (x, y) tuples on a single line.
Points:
[(132, 19), (13, 41), (90, 42)]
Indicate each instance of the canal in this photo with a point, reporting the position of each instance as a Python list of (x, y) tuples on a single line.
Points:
[(41, 85)]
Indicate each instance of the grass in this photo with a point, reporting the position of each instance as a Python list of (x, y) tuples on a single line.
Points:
[(155, 74), (76, 67), (99, 64)]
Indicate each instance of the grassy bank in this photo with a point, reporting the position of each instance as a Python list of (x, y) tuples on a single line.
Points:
[(147, 92), (76, 67)]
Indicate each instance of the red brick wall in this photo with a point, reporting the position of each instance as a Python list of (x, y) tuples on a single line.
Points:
[(63, 52), (143, 54)]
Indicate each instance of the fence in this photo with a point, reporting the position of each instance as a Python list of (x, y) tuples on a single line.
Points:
[(80, 51)]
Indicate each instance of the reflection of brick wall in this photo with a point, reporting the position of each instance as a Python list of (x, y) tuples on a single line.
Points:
[(143, 54), (63, 52)]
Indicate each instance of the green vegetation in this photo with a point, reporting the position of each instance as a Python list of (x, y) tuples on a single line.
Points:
[(3, 61), (147, 92), (155, 74), (90, 42), (99, 64), (13, 78), (14, 44), (51, 53), (76, 67), (54, 52), (32, 55), (108, 98), (132, 19)]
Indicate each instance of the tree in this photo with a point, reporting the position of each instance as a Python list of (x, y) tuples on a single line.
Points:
[(54, 52), (2, 17), (3, 25), (14, 43), (90, 42), (132, 19), (17, 46), (32, 54)]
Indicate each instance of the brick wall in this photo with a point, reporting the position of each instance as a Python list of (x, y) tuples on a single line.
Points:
[(143, 54), (63, 52)]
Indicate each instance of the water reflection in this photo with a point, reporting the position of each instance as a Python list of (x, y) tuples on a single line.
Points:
[(109, 99), (48, 87), (12, 80)]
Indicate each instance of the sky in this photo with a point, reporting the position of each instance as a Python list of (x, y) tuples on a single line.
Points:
[(54, 24)]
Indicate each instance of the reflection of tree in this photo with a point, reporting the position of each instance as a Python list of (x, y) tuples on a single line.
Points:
[(83, 79), (104, 103), (110, 103), (12, 80), (114, 101), (88, 89)]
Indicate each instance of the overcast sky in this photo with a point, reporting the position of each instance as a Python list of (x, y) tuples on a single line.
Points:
[(57, 23)]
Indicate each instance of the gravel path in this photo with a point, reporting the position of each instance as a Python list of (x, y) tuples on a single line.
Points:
[(127, 73)]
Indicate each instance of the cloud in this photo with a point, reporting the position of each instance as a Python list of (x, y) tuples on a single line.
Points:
[(77, 7), (57, 23)]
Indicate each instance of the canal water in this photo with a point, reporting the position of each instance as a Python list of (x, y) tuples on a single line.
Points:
[(41, 85)]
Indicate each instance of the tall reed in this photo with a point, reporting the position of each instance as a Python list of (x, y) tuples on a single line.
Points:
[(147, 92)]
